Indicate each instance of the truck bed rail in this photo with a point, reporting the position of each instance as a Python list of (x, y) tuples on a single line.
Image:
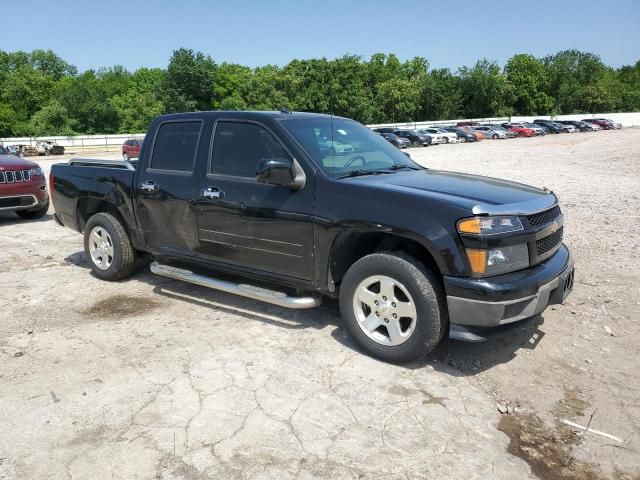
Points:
[(97, 162)]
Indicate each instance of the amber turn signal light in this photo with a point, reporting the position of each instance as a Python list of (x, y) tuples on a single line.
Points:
[(470, 225), (477, 259)]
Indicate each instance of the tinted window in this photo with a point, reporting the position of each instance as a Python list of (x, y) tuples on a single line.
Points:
[(238, 147), (175, 146)]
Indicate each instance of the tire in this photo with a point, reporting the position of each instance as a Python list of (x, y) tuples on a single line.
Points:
[(463, 140), (33, 214), (415, 143), (125, 157), (115, 258), (416, 334), (495, 136), (445, 140)]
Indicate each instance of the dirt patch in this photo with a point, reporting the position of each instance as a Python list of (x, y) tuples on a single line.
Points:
[(121, 306), (547, 451), (572, 404)]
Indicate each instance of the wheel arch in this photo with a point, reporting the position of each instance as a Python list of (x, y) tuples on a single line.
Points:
[(89, 206), (349, 247)]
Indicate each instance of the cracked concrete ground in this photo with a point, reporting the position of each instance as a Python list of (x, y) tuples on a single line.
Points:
[(199, 384), (155, 379)]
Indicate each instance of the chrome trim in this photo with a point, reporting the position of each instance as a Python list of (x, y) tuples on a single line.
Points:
[(257, 293), (252, 238), (523, 208), (20, 207), (250, 248), (102, 163)]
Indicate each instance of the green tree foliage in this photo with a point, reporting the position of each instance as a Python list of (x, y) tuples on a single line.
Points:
[(41, 94)]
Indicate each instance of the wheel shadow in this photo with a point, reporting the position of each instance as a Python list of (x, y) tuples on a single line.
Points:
[(11, 218), (452, 357)]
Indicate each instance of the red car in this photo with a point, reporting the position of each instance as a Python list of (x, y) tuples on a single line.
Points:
[(601, 122), (23, 188), (520, 130), (131, 149)]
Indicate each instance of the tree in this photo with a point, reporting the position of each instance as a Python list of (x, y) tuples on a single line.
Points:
[(52, 119), (484, 90), (140, 103), (529, 83), (189, 81)]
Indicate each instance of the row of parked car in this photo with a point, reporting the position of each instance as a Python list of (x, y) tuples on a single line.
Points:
[(42, 147), (470, 131)]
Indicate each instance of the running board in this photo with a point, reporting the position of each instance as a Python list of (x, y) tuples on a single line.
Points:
[(244, 290)]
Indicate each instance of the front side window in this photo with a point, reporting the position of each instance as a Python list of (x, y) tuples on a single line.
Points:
[(342, 147), (175, 146), (239, 146)]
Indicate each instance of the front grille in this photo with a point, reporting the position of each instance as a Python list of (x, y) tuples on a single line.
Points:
[(548, 243), (14, 177), (542, 218)]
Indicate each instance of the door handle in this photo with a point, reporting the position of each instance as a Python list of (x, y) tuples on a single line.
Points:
[(149, 186), (212, 192)]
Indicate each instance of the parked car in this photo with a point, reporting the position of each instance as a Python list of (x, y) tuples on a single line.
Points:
[(479, 135), (467, 123), (334, 147), (416, 138), (436, 137), (579, 125), (399, 142), (23, 187), (24, 150), (463, 135), (47, 147), (540, 129), (428, 253), (605, 121), (603, 124), (131, 149), (551, 126), (519, 129), (491, 131), (448, 137)]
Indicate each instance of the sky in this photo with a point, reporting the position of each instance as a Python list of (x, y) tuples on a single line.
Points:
[(139, 33)]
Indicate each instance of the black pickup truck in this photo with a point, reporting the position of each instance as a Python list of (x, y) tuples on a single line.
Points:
[(413, 254)]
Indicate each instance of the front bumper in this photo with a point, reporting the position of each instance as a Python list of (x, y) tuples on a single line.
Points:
[(23, 195), (494, 301)]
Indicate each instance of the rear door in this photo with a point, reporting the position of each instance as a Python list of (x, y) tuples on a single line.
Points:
[(249, 224), (166, 188)]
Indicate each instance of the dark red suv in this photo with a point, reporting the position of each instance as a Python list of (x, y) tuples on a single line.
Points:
[(131, 149), (23, 188)]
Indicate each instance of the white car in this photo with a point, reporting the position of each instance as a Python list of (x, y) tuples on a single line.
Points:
[(449, 137), (436, 137), (491, 132)]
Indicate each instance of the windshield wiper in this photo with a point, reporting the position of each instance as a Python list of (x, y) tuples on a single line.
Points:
[(360, 173), (398, 166)]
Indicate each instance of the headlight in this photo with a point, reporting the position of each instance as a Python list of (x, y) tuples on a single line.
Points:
[(498, 260), (489, 225), (36, 171)]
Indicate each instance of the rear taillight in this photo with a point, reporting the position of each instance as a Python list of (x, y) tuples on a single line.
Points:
[(51, 185)]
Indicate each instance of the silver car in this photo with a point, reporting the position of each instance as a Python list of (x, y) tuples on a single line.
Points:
[(491, 131)]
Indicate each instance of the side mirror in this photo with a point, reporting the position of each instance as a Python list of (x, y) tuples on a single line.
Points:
[(275, 171)]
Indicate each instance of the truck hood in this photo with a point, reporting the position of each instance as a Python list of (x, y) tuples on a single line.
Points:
[(473, 192), (11, 162)]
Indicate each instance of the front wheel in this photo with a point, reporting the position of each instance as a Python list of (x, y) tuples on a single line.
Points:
[(393, 306), (463, 140), (445, 140), (108, 248), (495, 136)]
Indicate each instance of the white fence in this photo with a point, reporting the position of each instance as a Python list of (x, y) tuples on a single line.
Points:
[(79, 142), (111, 141)]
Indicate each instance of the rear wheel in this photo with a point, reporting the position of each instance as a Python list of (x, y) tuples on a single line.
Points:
[(393, 306), (445, 140), (108, 248)]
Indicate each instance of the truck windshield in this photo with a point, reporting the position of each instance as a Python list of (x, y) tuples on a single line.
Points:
[(342, 147)]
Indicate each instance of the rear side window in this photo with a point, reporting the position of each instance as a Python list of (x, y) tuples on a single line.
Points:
[(238, 147), (175, 146)]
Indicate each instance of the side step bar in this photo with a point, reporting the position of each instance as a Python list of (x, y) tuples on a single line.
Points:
[(250, 291)]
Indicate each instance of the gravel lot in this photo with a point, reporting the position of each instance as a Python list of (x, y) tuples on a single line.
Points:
[(152, 378)]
